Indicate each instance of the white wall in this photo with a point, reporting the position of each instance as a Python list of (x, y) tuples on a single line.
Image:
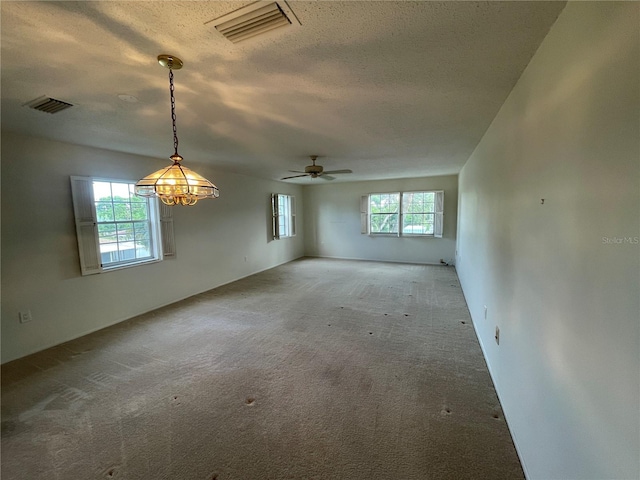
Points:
[(567, 369), (332, 222), (40, 266)]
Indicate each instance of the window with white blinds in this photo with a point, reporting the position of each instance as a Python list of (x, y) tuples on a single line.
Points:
[(116, 228)]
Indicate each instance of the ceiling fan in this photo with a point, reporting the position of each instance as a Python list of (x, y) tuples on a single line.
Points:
[(315, 171)]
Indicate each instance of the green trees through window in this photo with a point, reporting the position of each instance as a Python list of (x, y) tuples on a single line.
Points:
[(384, 209), (124, 222), (418, 212), (406, 213)]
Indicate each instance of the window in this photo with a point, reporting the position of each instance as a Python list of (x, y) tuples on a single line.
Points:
[(116, 228), (284, 215), (418, 213), (384, 209), (406, 214)]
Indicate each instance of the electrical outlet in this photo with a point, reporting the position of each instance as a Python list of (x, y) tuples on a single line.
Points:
[(245, 259), (497, 337), (485, 312), (25, 316)]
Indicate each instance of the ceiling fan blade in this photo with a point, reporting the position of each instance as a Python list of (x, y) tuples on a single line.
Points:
[(295, 176), (295, 171), (338, 171), (326, 177)]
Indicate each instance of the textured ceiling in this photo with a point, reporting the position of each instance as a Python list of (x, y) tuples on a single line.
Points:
[(386, 89)]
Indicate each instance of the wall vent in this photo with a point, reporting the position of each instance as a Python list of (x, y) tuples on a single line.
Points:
[(48, 105), (255, 19)]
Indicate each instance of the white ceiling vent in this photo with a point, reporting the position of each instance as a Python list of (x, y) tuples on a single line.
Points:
[(255, 19), (48, 105)]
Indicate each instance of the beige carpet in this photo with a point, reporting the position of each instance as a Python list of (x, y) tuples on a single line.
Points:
[(318, 369)]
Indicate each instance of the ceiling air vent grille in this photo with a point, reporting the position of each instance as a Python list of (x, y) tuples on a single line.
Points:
[(48, 105), (255, 19)]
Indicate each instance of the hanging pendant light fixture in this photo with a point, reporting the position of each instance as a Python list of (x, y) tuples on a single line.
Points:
[(175, 184)]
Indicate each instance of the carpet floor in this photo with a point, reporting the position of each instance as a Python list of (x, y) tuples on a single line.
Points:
[(316, 369)]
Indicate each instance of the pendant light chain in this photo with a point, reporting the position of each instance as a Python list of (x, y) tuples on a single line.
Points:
[(175, 184), (173, 113)]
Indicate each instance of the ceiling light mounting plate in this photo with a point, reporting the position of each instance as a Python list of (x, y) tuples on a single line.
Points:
[(170, 61)]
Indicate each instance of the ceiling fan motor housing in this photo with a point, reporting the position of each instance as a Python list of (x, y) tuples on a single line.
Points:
[(313, 169)]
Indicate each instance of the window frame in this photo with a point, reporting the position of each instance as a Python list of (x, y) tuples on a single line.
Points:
[(289, 214), (438, 215), (403, 213), (151, 222), (397, 214), (162, 243)]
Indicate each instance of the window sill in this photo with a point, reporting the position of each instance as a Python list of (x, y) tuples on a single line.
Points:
[(406, 235), (111, 268)]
